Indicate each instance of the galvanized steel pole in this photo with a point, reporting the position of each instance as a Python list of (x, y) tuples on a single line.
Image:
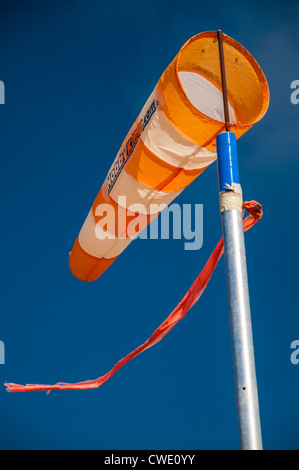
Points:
[(237, 283)]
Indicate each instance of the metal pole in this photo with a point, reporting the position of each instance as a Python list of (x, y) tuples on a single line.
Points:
[(237, 284)]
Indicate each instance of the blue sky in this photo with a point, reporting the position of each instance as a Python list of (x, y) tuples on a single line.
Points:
[(76, 76)]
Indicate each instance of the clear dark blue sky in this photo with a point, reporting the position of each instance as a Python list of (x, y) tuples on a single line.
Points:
[(76, 75)]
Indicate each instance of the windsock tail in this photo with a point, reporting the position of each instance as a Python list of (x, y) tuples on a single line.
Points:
[(191, 297)]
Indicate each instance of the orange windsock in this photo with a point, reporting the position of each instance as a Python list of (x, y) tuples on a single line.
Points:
[(171, 142)]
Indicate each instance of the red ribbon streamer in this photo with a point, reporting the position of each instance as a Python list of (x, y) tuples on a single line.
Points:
[(192, 296)]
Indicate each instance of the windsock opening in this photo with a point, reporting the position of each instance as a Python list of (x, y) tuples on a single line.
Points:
[(199, 75), (205, 96)]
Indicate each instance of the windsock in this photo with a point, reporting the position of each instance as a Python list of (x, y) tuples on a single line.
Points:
[(171, 142)]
